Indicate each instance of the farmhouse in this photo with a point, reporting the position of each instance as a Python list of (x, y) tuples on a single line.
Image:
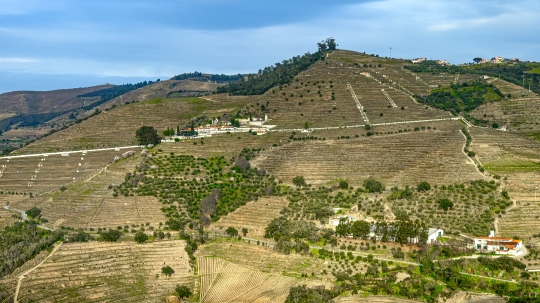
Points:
[(501, 246), (434, 234)]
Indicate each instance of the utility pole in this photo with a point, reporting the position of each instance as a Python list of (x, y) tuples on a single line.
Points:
[(390, 52)]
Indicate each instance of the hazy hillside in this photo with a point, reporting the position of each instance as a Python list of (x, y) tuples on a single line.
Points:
[(41, 102)]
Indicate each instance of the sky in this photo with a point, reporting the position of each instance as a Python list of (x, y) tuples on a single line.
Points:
[(58, 44)]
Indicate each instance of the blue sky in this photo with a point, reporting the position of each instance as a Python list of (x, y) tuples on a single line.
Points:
[(57, 44)]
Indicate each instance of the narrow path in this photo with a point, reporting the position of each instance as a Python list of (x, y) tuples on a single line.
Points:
[(490, 278), (355, 253), (70, 152), (358, 105), (24, 274), (25, 217)]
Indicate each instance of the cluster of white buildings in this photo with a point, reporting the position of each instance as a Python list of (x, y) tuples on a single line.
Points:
[(253, 125), (497, 245), (420, 60), (498, 59), (489, 244)]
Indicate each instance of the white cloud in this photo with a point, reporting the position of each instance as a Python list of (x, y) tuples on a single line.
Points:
[(453, 30), (17, 60)]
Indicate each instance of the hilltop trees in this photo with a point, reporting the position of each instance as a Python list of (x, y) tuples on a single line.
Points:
[(147, 135), (477, 60), (277, 74), (328, 44)]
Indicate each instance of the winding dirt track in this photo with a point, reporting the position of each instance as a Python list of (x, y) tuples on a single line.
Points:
[(24, 274)]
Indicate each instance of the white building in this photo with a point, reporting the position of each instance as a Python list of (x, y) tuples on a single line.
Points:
[(500, 246), (434, 234)]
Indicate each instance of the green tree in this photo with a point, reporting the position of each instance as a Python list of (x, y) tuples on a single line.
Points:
[(360, 229), (167, 271), (147, 135), (244, 231), (299, 181), (33, 212), (373, 186), (343, 184), (477, 60), (495, 125), (232, 232), (423, 186), (331, 43), (140, 237), (344, 228), (445, 203), (322, 46), (183, 291)]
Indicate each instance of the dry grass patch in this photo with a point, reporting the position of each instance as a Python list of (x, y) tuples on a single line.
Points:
[(223, 281)]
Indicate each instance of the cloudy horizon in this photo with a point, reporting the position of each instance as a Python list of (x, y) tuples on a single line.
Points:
[(65, 44)]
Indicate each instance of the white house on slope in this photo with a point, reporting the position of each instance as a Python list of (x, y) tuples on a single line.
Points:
[(434, 234)]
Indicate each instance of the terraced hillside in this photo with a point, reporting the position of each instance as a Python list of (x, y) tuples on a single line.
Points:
[(222, 281), (90, 203), (501, 151), (117, 127), (254, 216), (516, 160), (518, 114), (336, 92), (398, 158), (98, 272), (41, 173)]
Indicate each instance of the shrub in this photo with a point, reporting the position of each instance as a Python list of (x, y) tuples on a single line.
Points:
[(33, 212), (112, 235), (299, 181), (183, 291), (167, 271), (232, 232), (373, 186), (140, 237), (423, 186), (445, 203)]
